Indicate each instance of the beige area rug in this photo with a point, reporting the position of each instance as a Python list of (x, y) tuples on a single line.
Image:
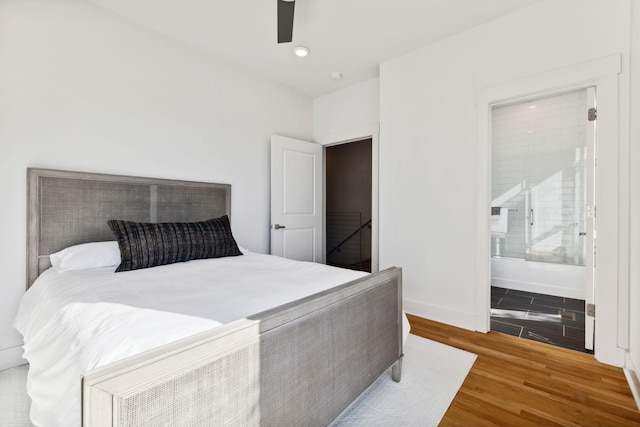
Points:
[(14, 401), (432, 373)]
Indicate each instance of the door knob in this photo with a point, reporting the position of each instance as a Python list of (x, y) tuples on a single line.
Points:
[(582, 233), (278, 226)]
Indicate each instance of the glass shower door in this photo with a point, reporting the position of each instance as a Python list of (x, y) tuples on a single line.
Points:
[(556, 175), (539, 173)]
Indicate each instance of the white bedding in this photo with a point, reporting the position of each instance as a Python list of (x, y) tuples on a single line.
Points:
[(74, 321)]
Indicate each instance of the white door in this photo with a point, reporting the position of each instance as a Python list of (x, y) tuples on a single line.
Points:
[(296, 199), (590, 231)]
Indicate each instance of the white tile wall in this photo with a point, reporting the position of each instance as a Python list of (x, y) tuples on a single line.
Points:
[(539, 145)]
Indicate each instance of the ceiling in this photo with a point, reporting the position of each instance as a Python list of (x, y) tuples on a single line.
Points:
[(349, 36)]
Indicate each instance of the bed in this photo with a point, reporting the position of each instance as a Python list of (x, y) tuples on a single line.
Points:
[(248, 339)]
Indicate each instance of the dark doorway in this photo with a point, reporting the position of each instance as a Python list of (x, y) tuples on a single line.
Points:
[(348, 179)]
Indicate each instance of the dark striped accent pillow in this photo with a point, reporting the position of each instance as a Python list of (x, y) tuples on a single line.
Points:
[(144, 245)]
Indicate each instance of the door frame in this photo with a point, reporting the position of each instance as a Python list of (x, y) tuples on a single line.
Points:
[(344, 137), (611, 279), (589, 223)]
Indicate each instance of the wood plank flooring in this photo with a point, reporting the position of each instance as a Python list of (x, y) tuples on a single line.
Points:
[(517, 382)]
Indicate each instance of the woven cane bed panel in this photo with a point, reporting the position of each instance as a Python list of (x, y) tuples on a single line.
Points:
[(69, 208), (326, 348), (224, 391), (76, 211), (291, 377), (185, 204)]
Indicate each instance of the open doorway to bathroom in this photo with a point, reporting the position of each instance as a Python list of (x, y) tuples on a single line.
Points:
[(542, 228), (348, 195)]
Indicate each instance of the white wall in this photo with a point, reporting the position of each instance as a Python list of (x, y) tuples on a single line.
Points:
[(83, 89), (634, 275), (428, 137), (345, 110), (348, 115)]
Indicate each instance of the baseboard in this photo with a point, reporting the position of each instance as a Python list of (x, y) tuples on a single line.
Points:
[(10, 357), (440, 314), (631, 373)]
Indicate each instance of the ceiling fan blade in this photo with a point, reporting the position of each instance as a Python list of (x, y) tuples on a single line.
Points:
[(285, 20)]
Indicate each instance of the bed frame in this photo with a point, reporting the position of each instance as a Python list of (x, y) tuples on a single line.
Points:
[(294, 365)]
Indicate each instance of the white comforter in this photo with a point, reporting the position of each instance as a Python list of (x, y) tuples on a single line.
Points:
[(74, 321)]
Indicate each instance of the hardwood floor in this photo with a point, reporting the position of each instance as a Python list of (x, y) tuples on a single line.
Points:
[(517, 382)]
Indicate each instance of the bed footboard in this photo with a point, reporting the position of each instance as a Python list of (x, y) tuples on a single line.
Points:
[(300, 364)]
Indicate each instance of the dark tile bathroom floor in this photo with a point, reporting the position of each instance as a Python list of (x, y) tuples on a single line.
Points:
[(553, 320)]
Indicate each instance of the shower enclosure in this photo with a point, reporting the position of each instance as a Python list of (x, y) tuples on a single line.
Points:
[(542, 169)]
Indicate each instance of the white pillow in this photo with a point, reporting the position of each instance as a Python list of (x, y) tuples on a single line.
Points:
[(87, 255)]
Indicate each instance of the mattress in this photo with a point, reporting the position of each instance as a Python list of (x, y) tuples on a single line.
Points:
[(77, 320)]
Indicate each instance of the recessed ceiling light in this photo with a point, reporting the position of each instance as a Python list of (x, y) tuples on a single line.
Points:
[(301, 51), (336, 75), (531, 107)]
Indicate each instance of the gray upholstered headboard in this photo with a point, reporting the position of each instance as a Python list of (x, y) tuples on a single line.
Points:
[(68, 208)]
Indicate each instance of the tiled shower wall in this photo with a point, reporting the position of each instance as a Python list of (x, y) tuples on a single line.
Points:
[(539, 162)]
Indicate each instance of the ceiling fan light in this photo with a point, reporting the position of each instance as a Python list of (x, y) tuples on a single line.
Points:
[(301, 51)]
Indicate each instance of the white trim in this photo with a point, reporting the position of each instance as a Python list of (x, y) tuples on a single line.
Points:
[(561, 80), (630, 372), (439, 314), (603, 74), (373, 132)]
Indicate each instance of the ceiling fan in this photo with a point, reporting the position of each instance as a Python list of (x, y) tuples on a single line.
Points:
[(285, 20)]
